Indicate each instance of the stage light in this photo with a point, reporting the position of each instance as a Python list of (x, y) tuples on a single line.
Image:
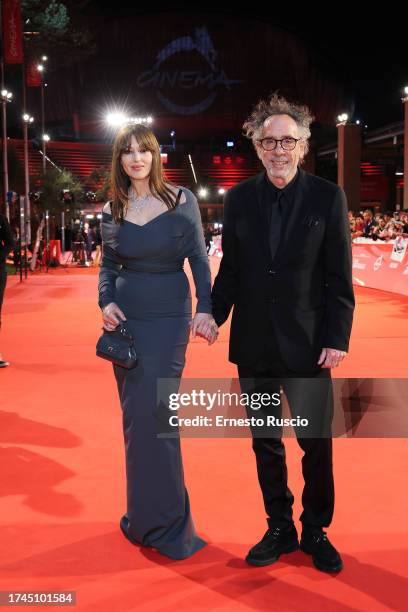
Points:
[(230, 143), (116, 119), (343, 118), (358, 122), (202, 192), (40, 68), (221, 191), (172, 133), (44, 58), (46, 138), (142, 120)]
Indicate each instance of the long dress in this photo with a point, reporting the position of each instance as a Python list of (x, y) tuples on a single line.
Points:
[(142, 272)]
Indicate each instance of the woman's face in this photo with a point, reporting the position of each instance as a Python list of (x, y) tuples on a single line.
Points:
[(136, 161)]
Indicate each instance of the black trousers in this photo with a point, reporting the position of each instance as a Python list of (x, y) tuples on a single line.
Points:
[(3, 282), (305, 397)]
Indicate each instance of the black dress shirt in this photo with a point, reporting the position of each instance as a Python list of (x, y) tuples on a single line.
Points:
[(271, 197)]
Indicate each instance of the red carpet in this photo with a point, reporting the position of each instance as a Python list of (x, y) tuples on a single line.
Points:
[(63, 488)]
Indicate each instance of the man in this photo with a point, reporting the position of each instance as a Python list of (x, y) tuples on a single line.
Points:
[(6, 245), (369, 223), (286, 270)]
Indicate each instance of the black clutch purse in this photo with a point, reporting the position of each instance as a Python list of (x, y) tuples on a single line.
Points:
[(117, 346)]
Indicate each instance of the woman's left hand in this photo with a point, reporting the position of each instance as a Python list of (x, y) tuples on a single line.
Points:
[(204, 325)]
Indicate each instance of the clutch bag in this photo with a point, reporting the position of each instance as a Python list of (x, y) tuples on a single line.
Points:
[(117, 346)]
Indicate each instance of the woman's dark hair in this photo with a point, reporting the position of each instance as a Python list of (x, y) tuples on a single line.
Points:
[(158, 185)]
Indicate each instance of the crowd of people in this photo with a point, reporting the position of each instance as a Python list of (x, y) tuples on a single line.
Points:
[(379, 226), (86, 240)]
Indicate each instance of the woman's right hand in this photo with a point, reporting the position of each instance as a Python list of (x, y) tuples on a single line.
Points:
[(112, 316)]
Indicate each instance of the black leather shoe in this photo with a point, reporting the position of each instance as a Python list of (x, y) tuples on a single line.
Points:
[(124, 525), (325, 557), (276, 541), (4, 364)]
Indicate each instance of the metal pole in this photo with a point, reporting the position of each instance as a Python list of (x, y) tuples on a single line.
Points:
[(44, 160), (26, 171), (63, 232), (5, 160), (22, 233), (47, 238), (27, 182), (5, 167)]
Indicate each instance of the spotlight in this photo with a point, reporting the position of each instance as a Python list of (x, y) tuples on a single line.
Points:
[(343, 118), (202, 192), (221, 191), (116, 119)]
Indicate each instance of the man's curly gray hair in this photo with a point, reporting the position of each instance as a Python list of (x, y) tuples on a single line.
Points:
[(277, 105)]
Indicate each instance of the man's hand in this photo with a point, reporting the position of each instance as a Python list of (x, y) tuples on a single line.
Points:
[(331, 358), (204, 325), (112, 315)]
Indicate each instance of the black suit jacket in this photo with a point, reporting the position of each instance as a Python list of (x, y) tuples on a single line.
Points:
[(305, 291)]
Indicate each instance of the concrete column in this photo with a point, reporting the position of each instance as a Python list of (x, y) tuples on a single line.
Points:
[(348, 161)]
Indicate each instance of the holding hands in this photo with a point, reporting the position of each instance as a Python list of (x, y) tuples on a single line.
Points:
[(203, 324), (331, 358)]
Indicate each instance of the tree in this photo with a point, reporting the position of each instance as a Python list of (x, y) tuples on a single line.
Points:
[(54, 184), (100, 179), (61, 28)]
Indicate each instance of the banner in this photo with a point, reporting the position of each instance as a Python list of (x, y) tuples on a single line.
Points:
[(33, 75), (376, 264), (381, 266), (12, 32)]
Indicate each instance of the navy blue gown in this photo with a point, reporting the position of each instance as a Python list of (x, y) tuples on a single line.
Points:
[(142, 272)]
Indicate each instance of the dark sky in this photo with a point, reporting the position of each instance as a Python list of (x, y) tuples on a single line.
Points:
[(369, 54)]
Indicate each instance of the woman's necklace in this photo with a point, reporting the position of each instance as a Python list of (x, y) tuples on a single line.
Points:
[(137, 203)]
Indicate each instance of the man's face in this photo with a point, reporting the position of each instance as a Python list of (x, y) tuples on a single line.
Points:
[(367, 216), (281, 165)]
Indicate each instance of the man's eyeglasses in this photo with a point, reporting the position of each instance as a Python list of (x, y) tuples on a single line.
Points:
[(287, 144)]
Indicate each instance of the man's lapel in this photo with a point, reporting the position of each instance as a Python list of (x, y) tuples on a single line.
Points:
[(260, 228)]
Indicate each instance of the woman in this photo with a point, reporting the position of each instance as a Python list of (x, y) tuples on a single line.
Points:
[(147, 230)]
